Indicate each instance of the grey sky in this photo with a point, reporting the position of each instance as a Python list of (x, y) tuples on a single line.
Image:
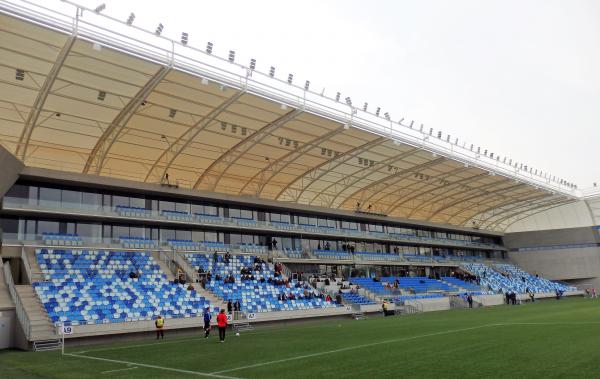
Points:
[(519, 78)]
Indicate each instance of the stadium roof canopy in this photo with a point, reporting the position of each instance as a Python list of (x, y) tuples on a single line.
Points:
[(109, 99)]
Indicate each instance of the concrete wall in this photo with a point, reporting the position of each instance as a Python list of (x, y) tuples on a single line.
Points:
[(560, 264), (564, 236), (572, 215), (11, 167)]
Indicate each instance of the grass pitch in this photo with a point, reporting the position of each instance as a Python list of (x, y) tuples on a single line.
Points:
[(548, 339)]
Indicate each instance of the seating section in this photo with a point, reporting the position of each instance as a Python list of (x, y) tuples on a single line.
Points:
[(127, 211), (178, 216), (254, 295), (416, 258), (58, 239), (357, 299), (330, 254), (414, 285), (251, 248), (368, 256), (183, 245), (293, 253), (403, 298), (461, 284), (94, 287), (512, 279), (138, 243)]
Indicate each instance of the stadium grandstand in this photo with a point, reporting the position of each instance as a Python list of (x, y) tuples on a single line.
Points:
[(144, 177)]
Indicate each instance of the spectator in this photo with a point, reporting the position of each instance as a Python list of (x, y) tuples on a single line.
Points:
[(237, 305), (190, 287), (470, 300), (229, 306), (222, 325), (159, 323), (207, 317), (215, 257)]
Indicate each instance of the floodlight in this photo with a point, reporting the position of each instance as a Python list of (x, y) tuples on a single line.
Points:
[(159, 29), (100, 8), (130, 18), (184, 38), (209, 47)]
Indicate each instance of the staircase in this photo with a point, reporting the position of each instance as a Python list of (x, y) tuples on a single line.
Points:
[(41, 327), (183, 264), (46, 345), (162, 264), (34, 267), (6, 301)]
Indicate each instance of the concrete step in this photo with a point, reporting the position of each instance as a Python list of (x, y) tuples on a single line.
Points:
[(163, 265)]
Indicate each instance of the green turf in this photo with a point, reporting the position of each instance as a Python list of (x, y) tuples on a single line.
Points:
[(549, 339)]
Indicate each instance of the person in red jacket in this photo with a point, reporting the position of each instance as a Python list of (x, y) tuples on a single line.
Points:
[(222, 324)]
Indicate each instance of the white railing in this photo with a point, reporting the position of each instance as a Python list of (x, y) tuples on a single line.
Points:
[(19, 308), (107, 31)]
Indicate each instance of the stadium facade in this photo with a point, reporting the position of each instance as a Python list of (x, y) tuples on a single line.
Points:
[(118, 139)]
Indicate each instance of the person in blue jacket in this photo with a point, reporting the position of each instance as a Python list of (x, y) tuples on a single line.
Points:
[(207, 317)]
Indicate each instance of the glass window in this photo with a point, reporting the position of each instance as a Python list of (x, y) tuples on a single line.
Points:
[(211, 210), (9, 225), (137, 231), (69, 227), (91, 231), (248, 238), (166, 205), (247, 214), (48, 227), (107, 200), (235, 239), (71, 198), (49, 196), (197, 236), (137, 202), (167, 234), (302, 220), (30, 226), (183, 235), (211, 236), (234, 213), (18, 191), (91, 200), (120, 200), (120, 231), (182, 207), (285, 217), (331, 223)]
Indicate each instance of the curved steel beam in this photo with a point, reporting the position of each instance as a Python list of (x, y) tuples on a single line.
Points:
[(484, 193), (375, 187), (41, 97), (497, 209), (222, 164), (406, 199), (533, 212), (99, 153), (322, 169), (278, 165), (496, 219), (186, 138), (351, 180)]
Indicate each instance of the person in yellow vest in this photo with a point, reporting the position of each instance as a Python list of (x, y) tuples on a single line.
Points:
[(159, 323)]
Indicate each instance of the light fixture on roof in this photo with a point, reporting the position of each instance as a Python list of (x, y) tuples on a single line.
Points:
[(466, 164), (159, 29), (337, 96), (143, 102), (172, 113), (204, 81), (412, 123), (130, 18), (377, 111), (223, 88), (272, 71), (421, 128), (100, 8), (386, 115), (396, 142), (365, 106), (448, 138), (20, 74), (252, 64), (306, 85), (430, 131), (290, 78), (184, 38), (349, 101), (439, 134), (400, 122), (101, 95), (209, 47), (471, 147), (231, 56)]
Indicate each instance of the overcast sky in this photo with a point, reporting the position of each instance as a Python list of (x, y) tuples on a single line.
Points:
[(520, 78)]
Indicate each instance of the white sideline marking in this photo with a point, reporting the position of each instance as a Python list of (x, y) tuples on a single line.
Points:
[(354, 348), (399, 340), (119, 369), (181, 371)]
